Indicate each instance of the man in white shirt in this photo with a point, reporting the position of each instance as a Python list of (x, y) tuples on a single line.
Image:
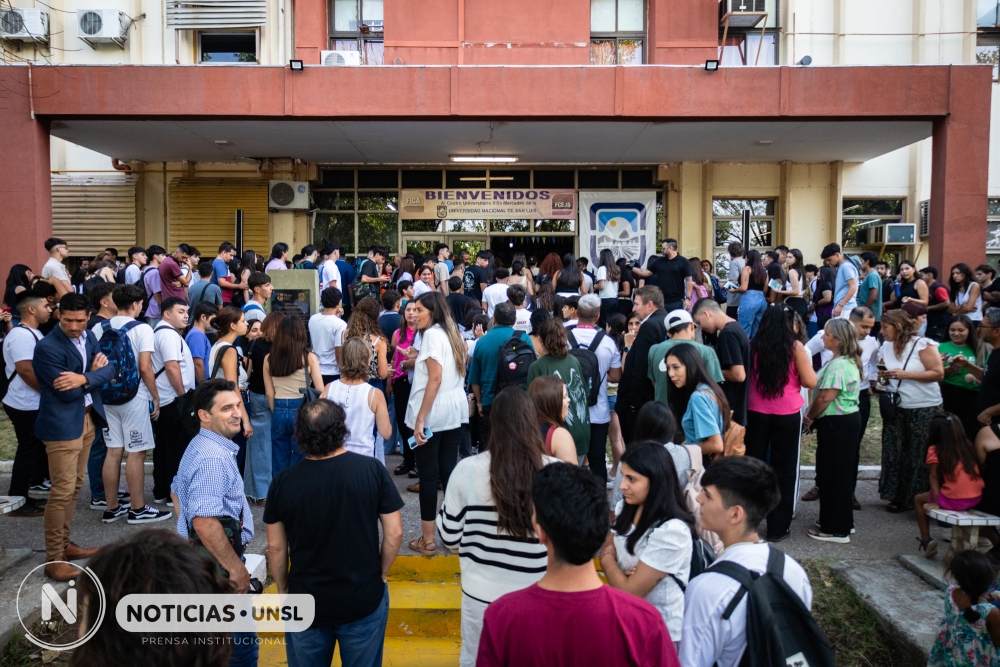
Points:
[(21, 402), (173, 368), (326, 330), (738, 492), (329, 274), (54, 272), (517, 295), (129, 426), (497, 292), (137, 260), (863, 320), (610, 363)]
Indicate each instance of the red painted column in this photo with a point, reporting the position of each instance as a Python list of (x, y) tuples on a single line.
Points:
[(25, 180), (959, 171), (311, 30)]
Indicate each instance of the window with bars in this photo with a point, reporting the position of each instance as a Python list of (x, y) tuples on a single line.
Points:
[(617, 32), (357, 25), (727, 215)]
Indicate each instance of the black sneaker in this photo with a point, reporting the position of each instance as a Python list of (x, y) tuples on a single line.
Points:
[(164, 501), (110, 516), (102, 504), (147, 515), (42, 489)]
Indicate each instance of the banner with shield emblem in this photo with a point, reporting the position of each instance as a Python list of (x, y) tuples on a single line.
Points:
[(624, 222)]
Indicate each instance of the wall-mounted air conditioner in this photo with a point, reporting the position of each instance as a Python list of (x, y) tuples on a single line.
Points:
[(742, 13), (102, 26), (288, 195), (26, 25), (895, 233), (340, 58)]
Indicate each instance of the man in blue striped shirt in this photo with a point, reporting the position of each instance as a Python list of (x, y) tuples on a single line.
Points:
[(208, 495)]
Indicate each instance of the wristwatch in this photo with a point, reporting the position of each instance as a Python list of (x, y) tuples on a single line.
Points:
[(626, 349)]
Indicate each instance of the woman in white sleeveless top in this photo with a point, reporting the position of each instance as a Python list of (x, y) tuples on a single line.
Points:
[(966, 294), (363, 404)]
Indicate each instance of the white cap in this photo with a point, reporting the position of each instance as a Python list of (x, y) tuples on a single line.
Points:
[(677, 317)]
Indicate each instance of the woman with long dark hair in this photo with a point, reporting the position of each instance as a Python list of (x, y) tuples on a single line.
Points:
[(548, 393), (652, 535), (835, 410), (487, 516), (656, 422), (402, 368), (795, 288), (963, 355), (545, 298), (753, 280), (910, 287), (257, 476), (626, 285), (780, 366), (966, 294), (913, 369), (276, 262), (615, 328), (364, 325), (18, 280), (407, 271), (606, 284), (519, 275), (285, 378), (437, 408), (552, 346), (248, 264), (225, 360), (694, 394), (569, 279), (822, 301)]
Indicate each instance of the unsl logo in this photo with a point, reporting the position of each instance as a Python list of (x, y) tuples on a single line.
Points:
[(56, 608)]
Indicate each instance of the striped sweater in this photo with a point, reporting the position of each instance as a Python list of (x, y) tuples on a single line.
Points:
[(492, 564)]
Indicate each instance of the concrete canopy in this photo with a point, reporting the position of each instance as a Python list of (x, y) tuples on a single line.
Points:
[(532, 142)]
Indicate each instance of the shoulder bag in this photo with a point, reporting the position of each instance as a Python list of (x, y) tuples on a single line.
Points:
[(890, 399)]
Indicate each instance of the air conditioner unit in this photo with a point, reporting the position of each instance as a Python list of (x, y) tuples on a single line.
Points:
[(340, 58), (925, 218), (26, 25), (102, 26), (742, 13), (288, 195), (895, 233)]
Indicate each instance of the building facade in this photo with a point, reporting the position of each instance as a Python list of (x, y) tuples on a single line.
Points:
[(824, 120)]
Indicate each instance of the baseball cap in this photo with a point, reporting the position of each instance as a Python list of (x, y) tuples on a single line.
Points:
[(676, 318)]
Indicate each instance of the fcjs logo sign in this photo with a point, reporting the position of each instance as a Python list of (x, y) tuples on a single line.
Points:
[(57, 611)]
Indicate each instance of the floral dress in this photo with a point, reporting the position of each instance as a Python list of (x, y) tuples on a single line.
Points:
[(960, 643)]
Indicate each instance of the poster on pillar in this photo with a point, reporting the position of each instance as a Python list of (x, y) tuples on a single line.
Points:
[(622, 222)]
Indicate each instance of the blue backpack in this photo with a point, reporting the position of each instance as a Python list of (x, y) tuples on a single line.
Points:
[(116, 346)]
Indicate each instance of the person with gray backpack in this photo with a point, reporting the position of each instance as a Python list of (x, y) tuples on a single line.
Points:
[(751, 607)]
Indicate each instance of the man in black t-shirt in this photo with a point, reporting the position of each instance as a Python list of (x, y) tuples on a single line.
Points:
[(989, 391), (328, 508), (733, 349), (475, 276), (670, 272), (986, 277)]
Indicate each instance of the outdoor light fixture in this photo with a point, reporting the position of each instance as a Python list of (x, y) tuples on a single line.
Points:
[(296, 65), (711, 65), (806, 60), (483, 158)]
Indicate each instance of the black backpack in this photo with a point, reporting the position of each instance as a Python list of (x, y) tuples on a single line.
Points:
[(780, 630), (515, 357), (590, 366), (145, 290), (701, 558)]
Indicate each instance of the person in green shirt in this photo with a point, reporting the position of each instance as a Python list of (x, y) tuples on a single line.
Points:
[(963, 372), (870, 294), (680, 329), (552, 346), (834, 413)]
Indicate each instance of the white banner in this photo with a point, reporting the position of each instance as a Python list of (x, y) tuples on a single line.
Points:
[(624, 222)]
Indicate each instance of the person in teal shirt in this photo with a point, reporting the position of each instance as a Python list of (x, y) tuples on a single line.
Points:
[(699, 399), (872, 281), (483, 370), (680, 329)]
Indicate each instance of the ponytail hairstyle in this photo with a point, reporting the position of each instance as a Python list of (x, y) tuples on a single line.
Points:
[(974, 573)]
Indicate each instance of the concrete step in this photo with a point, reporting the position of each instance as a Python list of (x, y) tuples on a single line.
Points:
[(424, 609), (398, 652)]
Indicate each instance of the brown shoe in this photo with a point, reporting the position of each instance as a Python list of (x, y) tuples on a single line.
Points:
[(414, 488), (61, 571), (855, 504), (28, 510), (811, 495), (74, 552)]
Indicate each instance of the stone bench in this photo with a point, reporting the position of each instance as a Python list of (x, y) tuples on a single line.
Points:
[(964, 528)]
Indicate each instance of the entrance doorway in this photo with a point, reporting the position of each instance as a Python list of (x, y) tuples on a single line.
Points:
[(505, 247)]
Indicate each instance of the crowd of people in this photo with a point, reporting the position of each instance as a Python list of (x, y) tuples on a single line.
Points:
[(505, 388)]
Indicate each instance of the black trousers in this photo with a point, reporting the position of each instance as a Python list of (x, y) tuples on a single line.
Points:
[(597, 455), (401, 396), (327, 379), (435, 460), (31, 465), (626, 419), (775, 440), (965, 404), (836, 471), (865, 410), (608, 308), (484, 428), (733, 311), (171, 443)]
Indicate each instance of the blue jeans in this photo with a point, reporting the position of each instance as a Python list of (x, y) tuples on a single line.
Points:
[(360, 641), (257, 474), (244, 650), (395, 442), (812, 328), (752, 305), (284, 451), (95, 465)]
